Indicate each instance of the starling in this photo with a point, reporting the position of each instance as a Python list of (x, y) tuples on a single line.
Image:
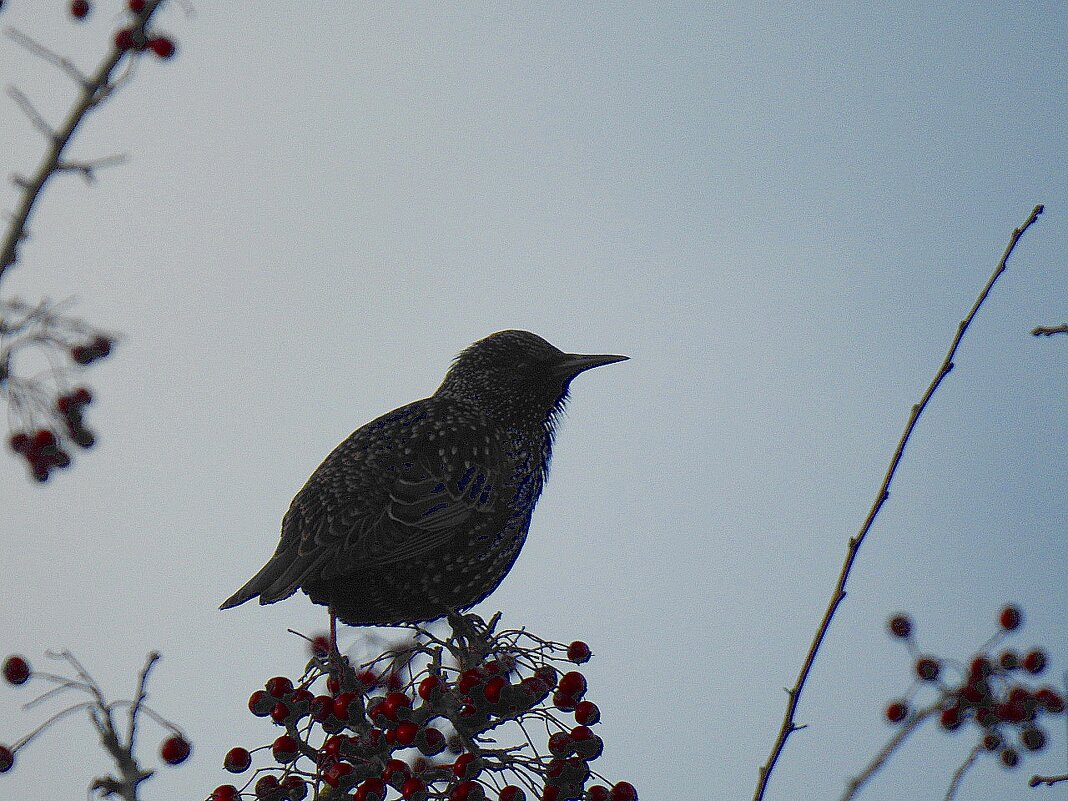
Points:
[(422, 512)]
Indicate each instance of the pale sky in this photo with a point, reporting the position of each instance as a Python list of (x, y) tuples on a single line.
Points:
[(779, 211)]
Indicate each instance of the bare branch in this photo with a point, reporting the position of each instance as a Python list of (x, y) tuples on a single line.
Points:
[(95, 89), (892, 744), (142, 681), (1049, 330), (965, 766), (794, 694), (39, 122), (48, 55), (1049, 781), (87, 169)]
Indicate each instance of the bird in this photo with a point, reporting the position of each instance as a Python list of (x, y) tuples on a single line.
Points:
[(422, 512)]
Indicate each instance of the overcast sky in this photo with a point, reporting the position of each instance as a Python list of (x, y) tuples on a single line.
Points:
[(779, 211)]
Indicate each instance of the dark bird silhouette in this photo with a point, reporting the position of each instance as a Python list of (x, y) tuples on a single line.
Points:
[(422, 512)]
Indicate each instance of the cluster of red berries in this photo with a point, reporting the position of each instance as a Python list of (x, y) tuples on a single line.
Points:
[(98, 348), (350, 739), (42, 449), (132, 38), (993, 692), (16, 670)]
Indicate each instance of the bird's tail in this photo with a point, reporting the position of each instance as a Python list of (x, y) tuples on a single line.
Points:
[(278, 579)]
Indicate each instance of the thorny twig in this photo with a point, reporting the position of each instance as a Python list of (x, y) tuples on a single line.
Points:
[(789, 726)]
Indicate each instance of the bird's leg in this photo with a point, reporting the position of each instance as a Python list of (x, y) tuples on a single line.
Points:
[(333, 634)]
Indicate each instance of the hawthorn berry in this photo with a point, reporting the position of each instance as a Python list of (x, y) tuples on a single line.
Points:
[(321, 707), (1010, 618), (950, 718), (1009, 758), (430, 688), (394, 703), (897, 711), (296, 788), (1009, 660), (493, 689), (560, 744), (7, 759), (927, 668), (550, 792), (900, 626), (16, 670), (430, 741), (79, 9), (124, 40), (373, 789), (285, 749), (467, 766), (547, 674), (413, 789), (587, 713), (512, 793), (279, 686), (573, 684), (224, 792), (136, 6), (175, 750), (468, 680), (406, 732), (396, 772), (333, 685), (598, 793), (162, 46), (623, 791), (237, 760), (1034, 662), (341, 705), (368, 678), (20, 443), (1033, 739), (336, 772), (319, 645), (280, 712), (267, 786), (1050, 700), (578, 652), (564, 701)]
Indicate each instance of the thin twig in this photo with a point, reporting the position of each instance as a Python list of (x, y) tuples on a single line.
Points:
[(49, 55), (131, 730), (1049, 781), (794, 694), (877, 762), (34, 116), (94, 90), (88, 168), (1049, 330), (965, 766)]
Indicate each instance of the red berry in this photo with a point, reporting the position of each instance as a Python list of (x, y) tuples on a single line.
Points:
[(897, 711), (573, 684), (1009, 660), (550, 792), (296, 788), (224, 792), (16, 670), (267, 786), (43, 438), (136, 6), (161, 46), (279, 712), (547, 674), (512, 793), (7, 759), (341, 705), (336, 772), (260, 703), (927, 668), (1033, 739), (900, 626), (1010, 618), (950, 718), (430, 741), (396, 771), (79, 9), (373, 789), (285, 748), (564, 701), (1009, 758), (413, 789), (467, 766), (587, 713), (623, 791), (124, 40), (368, 678), (598, 793), (560, 744), (319, 645), (20, 443), (493, 689), (175, 750), (406, 732), (578, 652), (468, 680), (430, 688), (1050, 700), (393, 703), (1034, 662), (321, 707), (279, 686), (980, 668), (237, 760)]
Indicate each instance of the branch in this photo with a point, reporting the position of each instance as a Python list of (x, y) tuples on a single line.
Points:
[(1049, 781), (48, 55), (1049, 330), (877, 762), (94, 89), (965, 766), (794, 694)]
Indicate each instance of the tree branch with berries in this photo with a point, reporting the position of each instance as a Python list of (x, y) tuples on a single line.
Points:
[(42, 348)]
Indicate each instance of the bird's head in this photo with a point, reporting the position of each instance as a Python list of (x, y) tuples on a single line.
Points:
[(517, 377)]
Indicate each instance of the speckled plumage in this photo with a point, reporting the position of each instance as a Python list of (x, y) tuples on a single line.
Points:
[(424, 510)]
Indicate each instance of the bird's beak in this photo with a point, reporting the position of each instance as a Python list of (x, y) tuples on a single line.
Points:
[(575, 363)]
